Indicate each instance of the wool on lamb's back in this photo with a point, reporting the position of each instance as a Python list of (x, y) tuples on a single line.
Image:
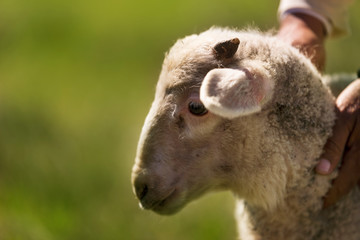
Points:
[(242, 111)]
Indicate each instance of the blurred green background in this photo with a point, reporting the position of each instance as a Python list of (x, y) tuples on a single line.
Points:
[(76, 81)]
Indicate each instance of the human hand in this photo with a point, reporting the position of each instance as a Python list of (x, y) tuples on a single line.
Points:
[(343, 145), (308, 35), (305, 33)]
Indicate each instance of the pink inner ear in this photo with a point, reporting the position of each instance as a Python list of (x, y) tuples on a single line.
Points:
[(257, 84), (258, 87)]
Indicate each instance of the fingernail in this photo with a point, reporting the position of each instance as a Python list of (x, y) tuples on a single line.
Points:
[(323, 166)]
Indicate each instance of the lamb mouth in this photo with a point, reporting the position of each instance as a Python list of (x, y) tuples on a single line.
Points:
[(168, 205)]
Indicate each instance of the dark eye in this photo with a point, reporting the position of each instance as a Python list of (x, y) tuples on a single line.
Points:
[(197, 108)]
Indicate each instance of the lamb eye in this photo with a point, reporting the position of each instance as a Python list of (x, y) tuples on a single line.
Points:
[(197, 108)]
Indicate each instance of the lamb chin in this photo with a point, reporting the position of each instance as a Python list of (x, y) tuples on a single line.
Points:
[(167, 210), (170, 205)]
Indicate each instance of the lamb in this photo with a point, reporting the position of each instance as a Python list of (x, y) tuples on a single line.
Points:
[(242, 111)]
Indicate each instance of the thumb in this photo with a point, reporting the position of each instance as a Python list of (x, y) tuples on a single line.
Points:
[(347, 104)]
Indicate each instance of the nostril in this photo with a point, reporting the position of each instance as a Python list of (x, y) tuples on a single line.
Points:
[(141, 189), (143, 192)]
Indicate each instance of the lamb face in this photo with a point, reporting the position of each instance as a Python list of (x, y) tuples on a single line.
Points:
[(174, 159), (189, 144), (222, 100), (178, 150)]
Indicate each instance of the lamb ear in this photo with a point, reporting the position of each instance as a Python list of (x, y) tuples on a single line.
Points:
[(231, 93), (226, 49)]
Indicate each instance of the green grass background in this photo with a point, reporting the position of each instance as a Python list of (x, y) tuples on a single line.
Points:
[(76, 80)]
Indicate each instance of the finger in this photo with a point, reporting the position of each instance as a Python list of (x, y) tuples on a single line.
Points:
[(334, 147), (348, 176)]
